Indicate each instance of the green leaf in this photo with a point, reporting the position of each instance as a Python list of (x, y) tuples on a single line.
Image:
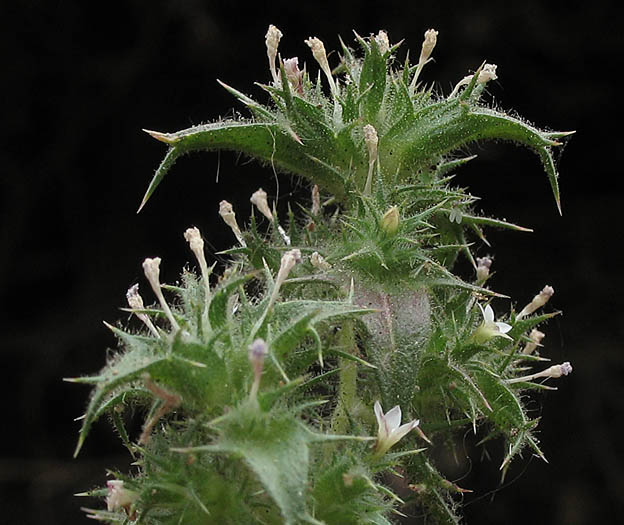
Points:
[(274, 446), (267, 142)]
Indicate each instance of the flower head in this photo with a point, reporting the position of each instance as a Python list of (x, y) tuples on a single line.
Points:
[(390, 429), (489, 328)]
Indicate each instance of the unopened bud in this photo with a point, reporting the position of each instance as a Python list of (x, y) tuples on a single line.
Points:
[(258, 350), (259, 200), (194, 238), (226, 211), (429, 43), (151, 267), (319, 54), (390, 221), (538, 301), (383, 42), (536, 339), (273, 37), (289, 259), (318, 261), (483, 268), (555, 371), (135, 301)]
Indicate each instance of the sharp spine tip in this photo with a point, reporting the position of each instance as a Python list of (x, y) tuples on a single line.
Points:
[(162, 137)]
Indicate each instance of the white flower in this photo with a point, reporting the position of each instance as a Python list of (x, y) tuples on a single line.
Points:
[(390, 428), (489, 328), (119, 497)]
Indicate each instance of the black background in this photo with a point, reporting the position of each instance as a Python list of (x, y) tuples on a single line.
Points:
[(82, 78)]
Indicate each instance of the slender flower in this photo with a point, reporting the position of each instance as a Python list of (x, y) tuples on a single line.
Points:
[(483, 268), (555, 371), (294, 74), (226, 211), (151, 267), (537, 302), (136, 303), (390, 430), (429, 43), (194, 238), (258, 350), (273, 37), (260, 201), (319, 54), (289, 259), (390, 221), (318, 261), (119, 497), (536, 339), (489, 328), (371, 140)]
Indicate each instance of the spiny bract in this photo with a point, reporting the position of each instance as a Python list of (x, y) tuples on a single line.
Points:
[(260, 382)]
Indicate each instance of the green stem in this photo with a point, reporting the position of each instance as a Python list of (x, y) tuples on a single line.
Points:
[(347, 389)]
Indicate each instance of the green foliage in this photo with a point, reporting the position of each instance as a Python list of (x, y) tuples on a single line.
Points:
[(259, 398)]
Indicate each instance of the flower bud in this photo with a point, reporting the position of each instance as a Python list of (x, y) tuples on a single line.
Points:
[(258, 350), (537, 302), (259, 200), (135, 301), (194, 238), (483, 268), (273, 37), (151, 267), (289, 259), (555, 371), (536, 338), (319, 54), (430, 41), (390, 221), (226, 211)]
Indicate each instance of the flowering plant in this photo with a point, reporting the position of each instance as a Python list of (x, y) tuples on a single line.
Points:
[(264, 380)]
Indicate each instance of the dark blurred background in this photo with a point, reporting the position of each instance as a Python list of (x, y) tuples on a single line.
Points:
[(82, 78)]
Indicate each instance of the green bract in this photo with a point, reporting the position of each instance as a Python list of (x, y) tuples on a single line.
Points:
[(260, 382)]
